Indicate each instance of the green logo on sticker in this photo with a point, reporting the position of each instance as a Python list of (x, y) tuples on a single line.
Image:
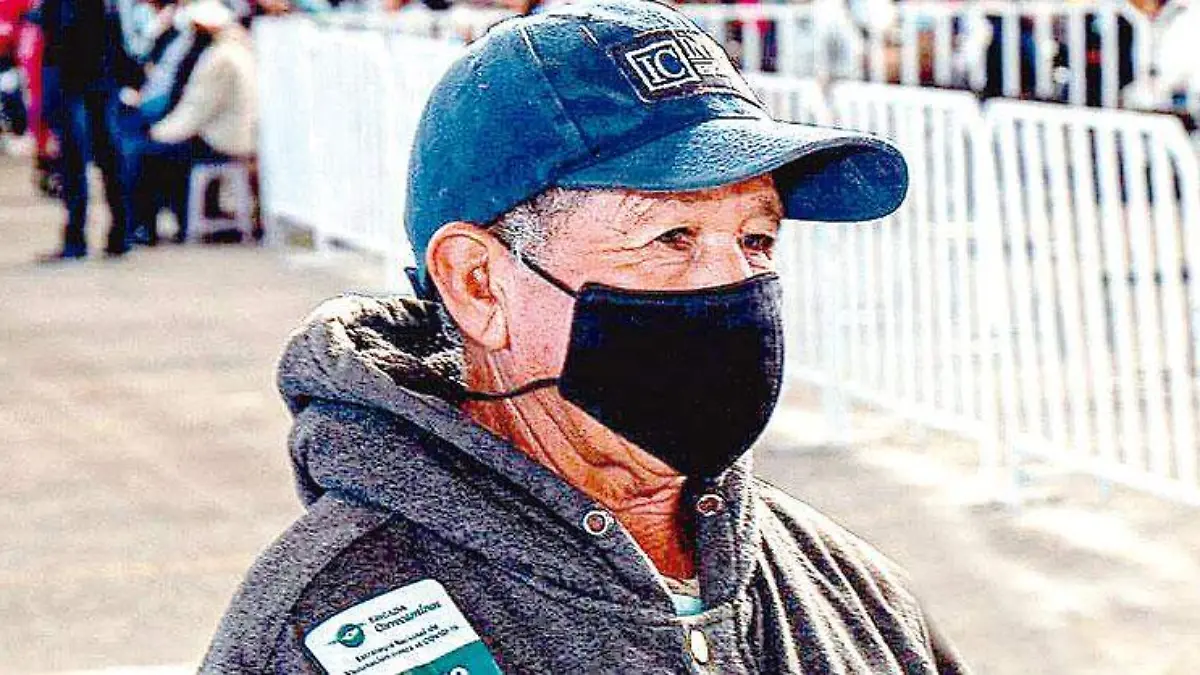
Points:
[(350, 635)]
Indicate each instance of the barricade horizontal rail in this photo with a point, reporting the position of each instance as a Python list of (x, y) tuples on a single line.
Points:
[(460, 23), (1035, 292), (1082, 53)]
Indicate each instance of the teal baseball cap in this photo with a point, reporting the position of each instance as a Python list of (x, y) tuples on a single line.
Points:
[(622, 94)]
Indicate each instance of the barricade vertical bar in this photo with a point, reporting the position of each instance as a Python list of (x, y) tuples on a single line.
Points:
[(852, 272), (1143, 48), (1188, 168), (787, 37), (877, 57), (943, 50), (1171, 266), (978, 77), (788, 252), (908, 300), (1017, 248), (909, 66), (1043, 37), (1110, 53), (1066, 218), (810, 273), (1091, 271), (953, 354), (752, 44), (872, 358), (1138, 226), (1046, 332), (1010, 53), (827, 251), (991, 297), (922, 233), (963, 223), (322, 145), (1077, 57), (1114, 242)]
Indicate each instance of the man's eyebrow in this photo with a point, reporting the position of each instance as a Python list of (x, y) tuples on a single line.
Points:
[(640, 209)]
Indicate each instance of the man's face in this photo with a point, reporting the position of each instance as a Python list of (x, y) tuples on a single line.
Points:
[(645, 241)]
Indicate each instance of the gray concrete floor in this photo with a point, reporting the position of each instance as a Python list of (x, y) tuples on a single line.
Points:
[(143, 467)]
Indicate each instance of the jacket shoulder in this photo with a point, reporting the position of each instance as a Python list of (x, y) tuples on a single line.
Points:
[(248, 633), (835, 553), (850, 566), (805, 522)]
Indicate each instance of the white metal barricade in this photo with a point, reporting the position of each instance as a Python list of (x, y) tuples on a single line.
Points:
[(1054, 26), (904, 305), (1099, 216), (340, 108)]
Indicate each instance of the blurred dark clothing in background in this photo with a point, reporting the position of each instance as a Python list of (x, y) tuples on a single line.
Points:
[(84, 47), (84, 42)]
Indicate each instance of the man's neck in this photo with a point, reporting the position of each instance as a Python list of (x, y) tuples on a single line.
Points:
[(645, 498)]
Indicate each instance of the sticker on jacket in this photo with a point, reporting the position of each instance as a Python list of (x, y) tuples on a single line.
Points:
[(415, 629)]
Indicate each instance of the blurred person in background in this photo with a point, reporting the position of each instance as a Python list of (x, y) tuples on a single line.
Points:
[(1175, 71), (47, 173), (198, 106), (14, 115), (85, 47), (144, 23), (169, 63)]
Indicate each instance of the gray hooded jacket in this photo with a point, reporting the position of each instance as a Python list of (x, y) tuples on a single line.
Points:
[(400, 487)]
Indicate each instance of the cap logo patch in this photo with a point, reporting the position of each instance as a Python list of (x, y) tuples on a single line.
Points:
[(672, 63)]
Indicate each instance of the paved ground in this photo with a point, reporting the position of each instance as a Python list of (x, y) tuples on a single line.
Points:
[(144, 467)]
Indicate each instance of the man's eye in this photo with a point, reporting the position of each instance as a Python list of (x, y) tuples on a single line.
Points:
[(759, 243), (678, 238)]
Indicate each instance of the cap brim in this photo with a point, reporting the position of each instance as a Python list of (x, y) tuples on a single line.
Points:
[(822, 174)]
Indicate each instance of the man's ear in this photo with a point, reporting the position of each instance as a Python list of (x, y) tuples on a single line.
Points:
[(463, 261)]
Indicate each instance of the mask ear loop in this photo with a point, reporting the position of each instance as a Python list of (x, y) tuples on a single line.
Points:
[(535, 385), (546, 276), (526, 388)]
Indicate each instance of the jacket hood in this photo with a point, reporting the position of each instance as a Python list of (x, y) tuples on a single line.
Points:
[(381, 351)]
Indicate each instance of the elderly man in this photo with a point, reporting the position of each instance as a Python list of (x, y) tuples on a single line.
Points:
[(543, 469)]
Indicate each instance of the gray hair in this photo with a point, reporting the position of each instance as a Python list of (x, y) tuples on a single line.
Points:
[(528, 227), (525, 229)]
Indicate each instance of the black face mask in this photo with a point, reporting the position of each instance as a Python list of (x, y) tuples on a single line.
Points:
[(689, 376)]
